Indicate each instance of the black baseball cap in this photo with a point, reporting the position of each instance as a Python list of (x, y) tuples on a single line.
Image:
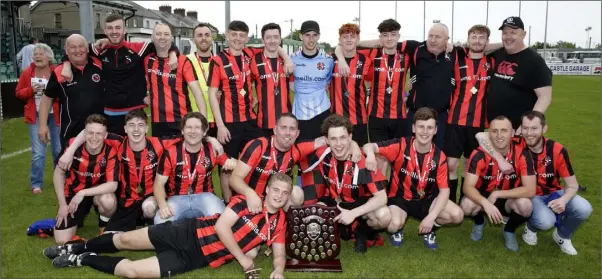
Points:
[(513, 22), (310, 25)]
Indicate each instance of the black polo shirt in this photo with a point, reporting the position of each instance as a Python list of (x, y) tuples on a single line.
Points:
[(79, 98), (432, 79), (513, 83)]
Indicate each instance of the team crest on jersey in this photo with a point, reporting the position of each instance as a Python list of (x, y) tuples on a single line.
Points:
[(487, 66), (205, 162), (447, 56), (546, 161), (102, 162), (359, 64), (321, 66), (349, 171), (150, 156), (96, 77), (432, 165)]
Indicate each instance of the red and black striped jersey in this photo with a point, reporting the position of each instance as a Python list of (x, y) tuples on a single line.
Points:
[(168, 89), (138, 169), (491, 178), (389, 71), (272, 89), (347, 180), (265, 160), (417, 175), (250, 231), (135, 184), (88, 170), (348, 94), (232, 76), (467, 106), (188, 173), (551, 164)]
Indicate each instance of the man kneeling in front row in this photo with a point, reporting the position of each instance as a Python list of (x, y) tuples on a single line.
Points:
[(190, 244), (489, 190)]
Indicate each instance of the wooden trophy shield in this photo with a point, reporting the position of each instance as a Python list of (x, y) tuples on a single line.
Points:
[(312, 239)]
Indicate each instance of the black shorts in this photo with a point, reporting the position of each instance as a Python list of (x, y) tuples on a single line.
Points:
[(240, 134), (499, 203), (165, 130), (460, 140), (115, 124), (414, 208), (80, 214), (360, 134), (177, 246), (381, 129), (212, 131), (312, 129), (126, 218)]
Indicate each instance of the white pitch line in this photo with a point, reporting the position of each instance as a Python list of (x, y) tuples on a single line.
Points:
[(16, 153)]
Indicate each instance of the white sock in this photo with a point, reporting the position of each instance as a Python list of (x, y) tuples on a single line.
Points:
[(104, 218)]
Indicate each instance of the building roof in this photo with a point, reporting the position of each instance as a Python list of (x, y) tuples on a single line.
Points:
[(114, 4), (142, 11), (173, 19)]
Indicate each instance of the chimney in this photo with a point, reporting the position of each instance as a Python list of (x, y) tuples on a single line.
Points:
[(165, 8), (179, 11), (193, 14)]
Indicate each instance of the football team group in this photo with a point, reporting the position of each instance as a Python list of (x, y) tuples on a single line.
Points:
[(377, 129)]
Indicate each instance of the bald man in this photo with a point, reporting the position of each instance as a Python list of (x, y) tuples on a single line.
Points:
[(167, 93), (78, 98)]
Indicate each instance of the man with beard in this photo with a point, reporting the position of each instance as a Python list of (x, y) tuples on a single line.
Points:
[(466, 118), (487, 189), (521, 81), (419, 186), (203, 40), (313, 71), (168, 89), (552, 201), (125, 82), (191, 243), (267, 70)]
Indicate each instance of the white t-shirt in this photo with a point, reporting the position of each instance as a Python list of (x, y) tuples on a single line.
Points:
[(38, 95)]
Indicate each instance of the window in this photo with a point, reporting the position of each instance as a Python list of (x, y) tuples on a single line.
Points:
[(58, 21), (147, 24), (134, 21), (97, 20)]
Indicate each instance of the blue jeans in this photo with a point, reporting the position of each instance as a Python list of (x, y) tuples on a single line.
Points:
[(543, 218), (192, 206), (38, 149), (441, 123)]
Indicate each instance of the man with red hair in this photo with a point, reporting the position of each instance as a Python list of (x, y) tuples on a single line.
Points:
[(348, 93)]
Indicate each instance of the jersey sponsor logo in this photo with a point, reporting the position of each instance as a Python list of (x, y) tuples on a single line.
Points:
[(505, 71), (151, 166), (475, 77), (351, 76), (254, 228), (266, 76), (309, 78), (416, 176), (382, 69), (89, 174), (96, 77), (161, 73), (334, 182)]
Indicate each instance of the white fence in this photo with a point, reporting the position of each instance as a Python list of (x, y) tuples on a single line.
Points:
[(575, 69)]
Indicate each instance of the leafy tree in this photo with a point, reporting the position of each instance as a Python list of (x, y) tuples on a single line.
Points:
[(563, 44)]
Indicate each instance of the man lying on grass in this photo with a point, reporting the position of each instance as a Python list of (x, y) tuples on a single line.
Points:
[(190, 244)]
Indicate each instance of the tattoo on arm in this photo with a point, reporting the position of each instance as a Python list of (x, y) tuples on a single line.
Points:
[(486, 145)]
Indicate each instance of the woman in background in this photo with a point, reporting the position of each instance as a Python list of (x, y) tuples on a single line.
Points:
[(30, 88)]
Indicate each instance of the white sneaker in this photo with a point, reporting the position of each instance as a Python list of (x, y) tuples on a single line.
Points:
[(566, 245), (529, 236)]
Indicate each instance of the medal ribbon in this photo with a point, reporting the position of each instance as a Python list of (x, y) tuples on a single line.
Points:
[(241, 72), (424, 169), (334, 163), (390, 71), (275, 75), (191, 176)]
